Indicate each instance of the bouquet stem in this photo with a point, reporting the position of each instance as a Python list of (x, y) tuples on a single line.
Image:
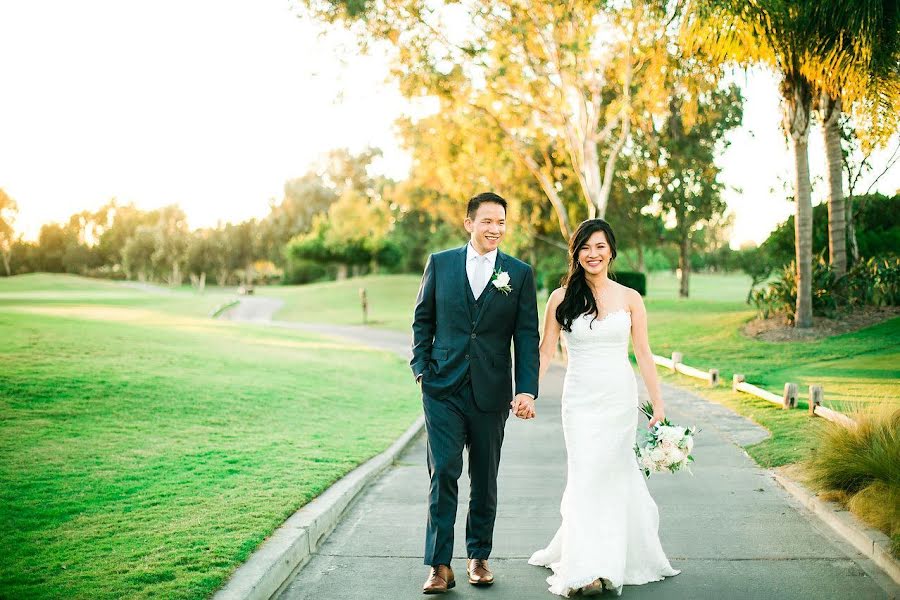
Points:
[(647, 409)]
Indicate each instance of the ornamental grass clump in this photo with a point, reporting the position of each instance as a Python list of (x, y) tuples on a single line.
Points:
[(863, 465)]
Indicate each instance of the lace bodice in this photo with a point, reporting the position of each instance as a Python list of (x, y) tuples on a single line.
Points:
[(598, 338)]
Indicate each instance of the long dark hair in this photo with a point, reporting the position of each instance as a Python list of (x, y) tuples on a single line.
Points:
[(579, 298)]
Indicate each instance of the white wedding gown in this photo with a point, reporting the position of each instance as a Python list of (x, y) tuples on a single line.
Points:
[(609, 520)]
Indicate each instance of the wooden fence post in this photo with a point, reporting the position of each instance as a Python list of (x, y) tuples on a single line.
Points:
[(364, 301), (790, 395), (713, 377), (816, 395), (677, 357), (736, 380)]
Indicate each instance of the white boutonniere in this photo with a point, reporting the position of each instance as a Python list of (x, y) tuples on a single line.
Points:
[(501, 281)]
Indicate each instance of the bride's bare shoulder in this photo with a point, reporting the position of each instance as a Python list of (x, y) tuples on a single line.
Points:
[(633, 299), (624, 290)]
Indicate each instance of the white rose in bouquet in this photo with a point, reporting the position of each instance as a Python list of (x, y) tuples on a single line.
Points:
[(672, 433), (674, 455), (668, 449)]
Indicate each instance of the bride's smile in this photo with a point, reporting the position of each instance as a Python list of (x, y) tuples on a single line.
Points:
[(595, 254)]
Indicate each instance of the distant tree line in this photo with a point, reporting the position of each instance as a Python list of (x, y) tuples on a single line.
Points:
[(341, 221), (329, 224)]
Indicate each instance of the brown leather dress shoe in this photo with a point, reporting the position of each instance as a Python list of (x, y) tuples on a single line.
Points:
[(440, 579), (478, 572), (594, 588)]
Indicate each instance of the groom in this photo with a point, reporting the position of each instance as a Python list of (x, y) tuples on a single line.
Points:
[(472, 303)]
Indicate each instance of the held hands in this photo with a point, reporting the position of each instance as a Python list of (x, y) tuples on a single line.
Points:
[(523, 406)]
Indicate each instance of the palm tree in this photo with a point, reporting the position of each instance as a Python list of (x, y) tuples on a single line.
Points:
[(806, 42), (781, 35), (860, 69)]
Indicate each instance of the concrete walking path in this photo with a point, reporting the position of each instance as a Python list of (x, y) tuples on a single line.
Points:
[(731, 529)]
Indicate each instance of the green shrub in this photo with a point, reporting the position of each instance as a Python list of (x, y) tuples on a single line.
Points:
[(298, 271), (876, 222), (633, 279), (875, 282), (780, 296), (549, 280)]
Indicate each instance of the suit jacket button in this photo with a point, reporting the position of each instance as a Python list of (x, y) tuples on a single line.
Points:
[(467, 357), (473, 336)]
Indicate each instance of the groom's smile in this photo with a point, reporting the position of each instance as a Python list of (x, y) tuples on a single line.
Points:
[(487, 227)]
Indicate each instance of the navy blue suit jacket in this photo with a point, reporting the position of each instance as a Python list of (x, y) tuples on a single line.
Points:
[(452, 336)]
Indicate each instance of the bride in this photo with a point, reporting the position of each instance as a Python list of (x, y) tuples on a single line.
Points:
[(608, 537)]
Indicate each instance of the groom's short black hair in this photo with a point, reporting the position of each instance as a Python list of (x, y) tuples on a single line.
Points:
[(476, 201)]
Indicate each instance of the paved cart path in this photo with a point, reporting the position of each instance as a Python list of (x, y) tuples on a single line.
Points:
[(730, 528)]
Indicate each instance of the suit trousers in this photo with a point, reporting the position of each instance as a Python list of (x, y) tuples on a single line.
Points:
[(453, 423)]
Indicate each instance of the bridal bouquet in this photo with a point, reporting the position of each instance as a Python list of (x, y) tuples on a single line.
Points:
[(668, 446)]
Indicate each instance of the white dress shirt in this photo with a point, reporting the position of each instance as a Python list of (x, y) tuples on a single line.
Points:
[(471, 256)]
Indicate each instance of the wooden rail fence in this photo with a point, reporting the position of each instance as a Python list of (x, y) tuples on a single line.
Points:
[(787, 400)]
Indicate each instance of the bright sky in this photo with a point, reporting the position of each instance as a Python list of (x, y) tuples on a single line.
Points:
[(215, 104)]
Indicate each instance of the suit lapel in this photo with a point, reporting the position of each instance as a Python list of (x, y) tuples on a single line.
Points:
[(490, 291)]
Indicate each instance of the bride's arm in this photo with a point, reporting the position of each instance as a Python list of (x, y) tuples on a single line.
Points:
[(550, 339), (641, 344)]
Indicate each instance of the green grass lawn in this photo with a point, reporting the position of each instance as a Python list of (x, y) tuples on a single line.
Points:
[(146, 450), (855, 369), (391, 301)]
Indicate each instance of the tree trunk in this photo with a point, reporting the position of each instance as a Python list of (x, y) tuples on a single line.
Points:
[(851, 231), (803, 236), (641, 265), (797, 101), (341, 272), (6, 263), (837, 228), (549, 189), (591, 183), (684, 263), (609, 170)]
